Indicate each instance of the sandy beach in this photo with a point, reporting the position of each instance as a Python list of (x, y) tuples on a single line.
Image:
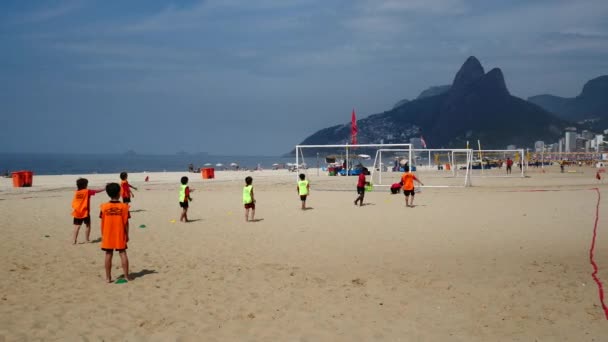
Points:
[(498, 261)]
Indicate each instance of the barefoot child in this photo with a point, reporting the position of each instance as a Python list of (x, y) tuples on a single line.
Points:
[(249, 199), (184, 198), (82, 208), (115, 230), (360, 188), (303, 189), (408, 179), (125, 188)]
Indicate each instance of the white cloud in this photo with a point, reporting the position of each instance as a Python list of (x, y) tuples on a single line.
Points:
[(48, 13)]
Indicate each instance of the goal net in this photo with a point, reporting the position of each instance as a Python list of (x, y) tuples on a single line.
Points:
[(434, 167), (493, 163), (328, 166)]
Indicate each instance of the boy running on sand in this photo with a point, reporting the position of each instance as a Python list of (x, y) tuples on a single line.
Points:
[(249, 199), (115, 230), (303, 189), (184, 198), (125, 188), (82, 208), (408, 179)]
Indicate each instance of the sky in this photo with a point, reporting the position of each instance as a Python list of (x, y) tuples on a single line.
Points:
[(256, 77)]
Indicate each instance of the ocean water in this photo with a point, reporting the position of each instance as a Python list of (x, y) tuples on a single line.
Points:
[(60, 164)]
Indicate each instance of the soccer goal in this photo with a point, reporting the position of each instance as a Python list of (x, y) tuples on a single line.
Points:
[(493, 163), (328, 165), (435, 167)]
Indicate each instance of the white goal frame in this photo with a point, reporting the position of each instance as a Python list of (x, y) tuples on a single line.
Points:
[(346, 147), (453, 168), (484, 174)]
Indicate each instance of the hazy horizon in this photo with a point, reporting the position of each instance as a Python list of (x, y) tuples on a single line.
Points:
[(237, 77)]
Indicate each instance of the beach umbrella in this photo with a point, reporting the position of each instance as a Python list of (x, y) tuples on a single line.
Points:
[(275, 164), (219, 164), (364, 156), (234, 164), (207, 164)]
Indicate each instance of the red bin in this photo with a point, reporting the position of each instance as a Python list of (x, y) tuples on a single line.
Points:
[(17, 179), (208, 173), (28, 178)]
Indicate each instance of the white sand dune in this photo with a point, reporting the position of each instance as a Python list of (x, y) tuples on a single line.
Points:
[(494, 262)]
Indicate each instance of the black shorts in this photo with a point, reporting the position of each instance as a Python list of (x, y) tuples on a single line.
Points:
[(183, 205), (508, 167), (126, 200), (250, 206), (303, 197), (408, 192), (112, 250), (361, 190), (79, 221)]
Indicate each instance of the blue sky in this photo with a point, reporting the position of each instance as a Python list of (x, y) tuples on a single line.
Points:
[(254, 77)]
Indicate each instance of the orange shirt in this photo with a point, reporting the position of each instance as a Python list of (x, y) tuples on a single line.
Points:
[(114, 223), (81, 202), (408, 181), (125, 191)]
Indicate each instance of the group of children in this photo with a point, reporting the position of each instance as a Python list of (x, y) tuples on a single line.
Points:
[(115, 215)]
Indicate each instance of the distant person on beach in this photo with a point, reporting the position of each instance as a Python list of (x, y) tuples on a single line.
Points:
[(81, 205), (408, 179), (184, 198), (125, 188), (561, 166), (249, 199), (303, 189), (509, 165), (115, 230), (360, 188)]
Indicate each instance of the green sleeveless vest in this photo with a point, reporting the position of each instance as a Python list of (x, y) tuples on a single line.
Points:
[(182, 193), (303, 187), (247, 194)]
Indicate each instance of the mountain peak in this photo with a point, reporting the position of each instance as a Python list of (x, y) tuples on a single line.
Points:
[(596, 87), (494, 80), (469, 73)]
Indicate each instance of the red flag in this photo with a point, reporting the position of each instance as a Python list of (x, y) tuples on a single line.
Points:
[(422, 141), (353, 128)]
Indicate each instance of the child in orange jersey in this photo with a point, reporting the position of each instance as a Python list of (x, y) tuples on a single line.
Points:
[(81, 205), (408, 179), (115, 230), (125, 188)]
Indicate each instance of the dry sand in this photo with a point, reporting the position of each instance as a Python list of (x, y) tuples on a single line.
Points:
[(485, 263)]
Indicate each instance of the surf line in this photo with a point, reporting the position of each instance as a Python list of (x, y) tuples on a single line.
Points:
[(597, 280)]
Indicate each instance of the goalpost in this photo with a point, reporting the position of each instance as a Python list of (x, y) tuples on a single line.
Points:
[(436, 167), (341, 160), (492, 163)]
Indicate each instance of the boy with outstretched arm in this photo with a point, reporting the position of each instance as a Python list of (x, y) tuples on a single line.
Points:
[(81, 205), (125, 188)]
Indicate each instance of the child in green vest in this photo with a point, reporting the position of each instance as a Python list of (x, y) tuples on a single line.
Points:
[(249, 199), (303, 189), (184, 198)]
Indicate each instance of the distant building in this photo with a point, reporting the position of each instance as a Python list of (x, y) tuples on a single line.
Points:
[(511, 147), (539, 146), (562, 143), (599, 141), (587, 135), (570, 142)]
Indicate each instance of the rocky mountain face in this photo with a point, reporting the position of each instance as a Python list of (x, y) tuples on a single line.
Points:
[(477, 105), (592, 103)]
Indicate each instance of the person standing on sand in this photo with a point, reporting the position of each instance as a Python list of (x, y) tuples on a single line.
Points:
[(81, 205), (360, 188), (115, 230), (509, 165), (249, 199), (303, 189), (408, 179), (125, 188), (184, 199)]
